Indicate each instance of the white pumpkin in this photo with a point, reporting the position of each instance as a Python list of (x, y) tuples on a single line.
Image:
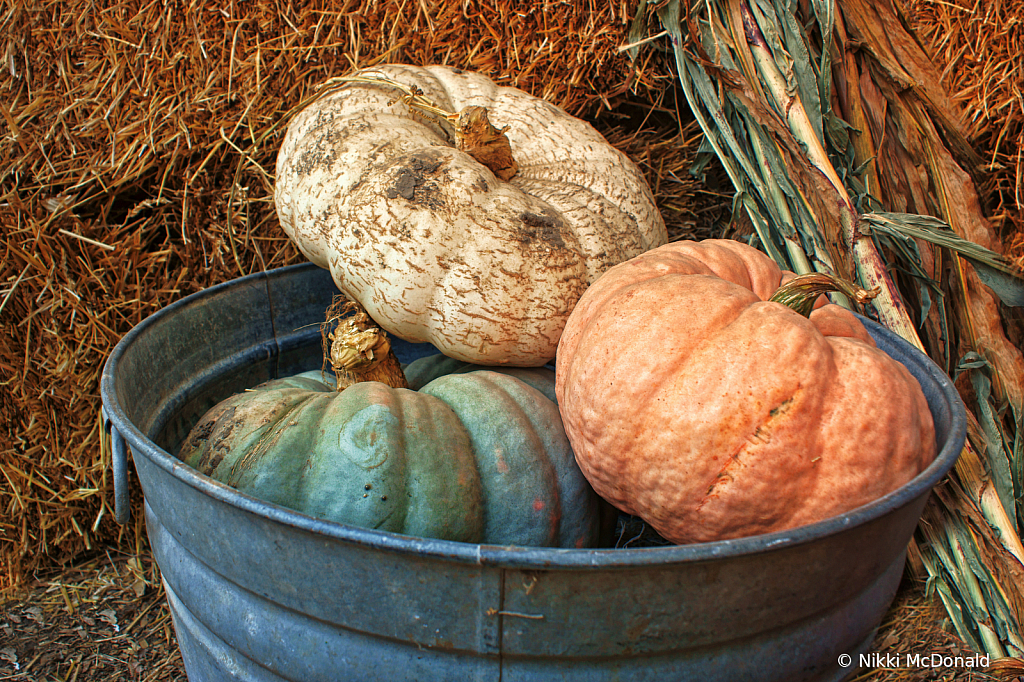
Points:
[(436, 247)]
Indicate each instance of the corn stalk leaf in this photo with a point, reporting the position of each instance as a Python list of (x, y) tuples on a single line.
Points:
[(941, 569), (996, 448), (997, 272), (703, 98), (805, 78)]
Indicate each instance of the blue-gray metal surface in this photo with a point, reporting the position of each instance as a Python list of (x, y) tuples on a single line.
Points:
[(262, 593)]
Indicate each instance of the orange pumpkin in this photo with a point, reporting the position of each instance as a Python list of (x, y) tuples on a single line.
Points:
[(710, 412)]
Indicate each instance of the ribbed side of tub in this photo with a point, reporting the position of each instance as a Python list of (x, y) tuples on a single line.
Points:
[(256, 600)]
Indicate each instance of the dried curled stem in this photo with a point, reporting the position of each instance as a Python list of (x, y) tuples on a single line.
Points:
[(470, 130), (357, 349), (801, 292)]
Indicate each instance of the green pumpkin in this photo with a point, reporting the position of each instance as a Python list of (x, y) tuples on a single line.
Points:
[(469, 454)]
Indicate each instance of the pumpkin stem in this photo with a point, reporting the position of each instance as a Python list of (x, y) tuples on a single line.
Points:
[(470, 129), (801, 292), (358, 349), (476, 136)]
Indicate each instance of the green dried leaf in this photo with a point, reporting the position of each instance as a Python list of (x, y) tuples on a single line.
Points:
[(1008, 288), (996, 458), (938, 583), (716, 119), (768, 22), (1018, 461), (636, 29), (926, 303), (998, 273), (806, 79), (824, 12), (962, 543), (996, 607)]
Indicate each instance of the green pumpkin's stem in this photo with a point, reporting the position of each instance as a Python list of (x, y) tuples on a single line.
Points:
[(358, 349), (801, 292)]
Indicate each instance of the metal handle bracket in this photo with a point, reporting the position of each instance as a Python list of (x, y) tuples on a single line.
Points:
[(119, 456)]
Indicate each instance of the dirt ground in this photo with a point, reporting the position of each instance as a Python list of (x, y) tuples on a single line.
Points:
[(106, 620)]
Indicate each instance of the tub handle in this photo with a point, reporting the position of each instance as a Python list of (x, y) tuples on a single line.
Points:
[(119, 457)]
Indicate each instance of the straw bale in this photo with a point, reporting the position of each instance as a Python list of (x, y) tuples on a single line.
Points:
[(978, 45), (136, 159)]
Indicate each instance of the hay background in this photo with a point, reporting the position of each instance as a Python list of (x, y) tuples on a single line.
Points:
[(136, 165), (978, 45)]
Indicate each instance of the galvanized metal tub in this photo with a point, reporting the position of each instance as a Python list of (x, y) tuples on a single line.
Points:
[(262, 593)]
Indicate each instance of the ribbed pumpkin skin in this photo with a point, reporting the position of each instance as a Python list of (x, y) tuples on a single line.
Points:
[(434, 245), (694, 403), (475, 457)]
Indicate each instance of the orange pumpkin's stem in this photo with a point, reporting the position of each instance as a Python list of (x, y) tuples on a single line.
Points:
[(801, 292), (358, 349)]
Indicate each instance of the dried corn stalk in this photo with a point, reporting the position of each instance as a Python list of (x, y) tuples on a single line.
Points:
[(848, 156)]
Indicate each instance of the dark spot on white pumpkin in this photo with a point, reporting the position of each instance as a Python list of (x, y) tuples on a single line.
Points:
[(405, 185), (404, 232), (368, 486), (327, 140), (545, 227), (377, 158), (416, 179), (383, 498)]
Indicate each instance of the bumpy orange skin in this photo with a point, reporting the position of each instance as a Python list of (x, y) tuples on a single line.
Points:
[(696, 404)]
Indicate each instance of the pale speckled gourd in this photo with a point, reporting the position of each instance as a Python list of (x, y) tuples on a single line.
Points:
[(434, 245), (464, 454), (696, 402)]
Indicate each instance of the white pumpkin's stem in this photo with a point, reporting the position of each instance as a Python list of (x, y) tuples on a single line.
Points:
[(358, 349), (470, 129), (477, 136), (801, 292)]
